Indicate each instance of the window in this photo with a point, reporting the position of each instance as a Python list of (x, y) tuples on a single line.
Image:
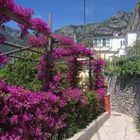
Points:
[(95, 42), (99, 42), (108, 42), (122, 42), (104, 42)]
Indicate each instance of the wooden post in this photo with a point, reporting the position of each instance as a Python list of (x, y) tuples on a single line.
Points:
[(49, 61), (90, 75), (50, 25), (75, 38)]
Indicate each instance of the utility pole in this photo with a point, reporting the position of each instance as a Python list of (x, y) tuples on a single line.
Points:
[(84, 31), (84, 16)]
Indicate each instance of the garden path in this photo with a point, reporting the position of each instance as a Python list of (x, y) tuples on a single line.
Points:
[(118, 127)]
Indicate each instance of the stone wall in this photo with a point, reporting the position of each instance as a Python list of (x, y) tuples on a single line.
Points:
[(125, 95)]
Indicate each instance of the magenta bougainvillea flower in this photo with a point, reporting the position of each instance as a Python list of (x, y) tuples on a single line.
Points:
[(38, 25), (3, 59), (26, 114), (99, 79), (39, 113), (37, 41)]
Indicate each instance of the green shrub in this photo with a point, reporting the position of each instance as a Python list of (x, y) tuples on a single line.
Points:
[(128, 66), (76, 121), (22, 73)]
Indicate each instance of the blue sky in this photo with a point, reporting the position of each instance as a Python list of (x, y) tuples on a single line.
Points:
[(70, 12)]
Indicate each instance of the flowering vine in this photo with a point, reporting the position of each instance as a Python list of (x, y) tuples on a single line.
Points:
[(99, 79), (37, 41), (32, 115)]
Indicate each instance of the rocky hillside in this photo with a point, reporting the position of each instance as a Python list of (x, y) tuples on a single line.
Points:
[(134, 23), (116, 24), (12, 36), (119, 23)]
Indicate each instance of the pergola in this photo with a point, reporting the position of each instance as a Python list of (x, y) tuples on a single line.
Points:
[(48, 49)]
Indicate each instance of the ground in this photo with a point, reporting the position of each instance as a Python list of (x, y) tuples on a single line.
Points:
[(118, 127)]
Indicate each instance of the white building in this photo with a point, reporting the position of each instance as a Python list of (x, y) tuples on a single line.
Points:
[(110, 46)]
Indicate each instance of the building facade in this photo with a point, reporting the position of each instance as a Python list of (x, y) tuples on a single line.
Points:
[(109, 46)]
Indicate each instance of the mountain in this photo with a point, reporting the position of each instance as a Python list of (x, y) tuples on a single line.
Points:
[(134, 23), (12, 36), (120, 23)]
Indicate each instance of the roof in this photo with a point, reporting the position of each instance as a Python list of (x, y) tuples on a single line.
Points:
[(115, 36)]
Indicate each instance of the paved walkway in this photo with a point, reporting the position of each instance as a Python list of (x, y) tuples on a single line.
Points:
[(118, 127)]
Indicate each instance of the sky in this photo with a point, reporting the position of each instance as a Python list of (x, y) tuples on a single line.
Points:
[(70, 12)]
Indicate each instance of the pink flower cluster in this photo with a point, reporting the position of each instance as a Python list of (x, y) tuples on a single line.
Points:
[(42, 67), (19, 11), (3, 59), (101, 92), (26, 15), (99, 79), (77, 49), (24, 31), (37, 41), (3, 19), (38, 25), (66, 40), (29, 115)]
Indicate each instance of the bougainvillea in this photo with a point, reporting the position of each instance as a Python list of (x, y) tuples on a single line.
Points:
[(3, 59), (21, 12), (24, 31), (26, 15), (74, 69), (37, 41), (65, 40), (3, 19), (99, 79), (29, 115), (75, 49), (38, 25)]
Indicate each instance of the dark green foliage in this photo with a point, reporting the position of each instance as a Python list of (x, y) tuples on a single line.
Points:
[(128, 66), (12, 36), (22, 72)]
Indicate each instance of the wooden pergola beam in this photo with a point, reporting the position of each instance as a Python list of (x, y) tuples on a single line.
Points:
[(14, 51), (8, 13), (19, 57), (20, 47), (21, 21)]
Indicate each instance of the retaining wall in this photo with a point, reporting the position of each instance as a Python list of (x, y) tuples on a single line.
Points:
[(125, 96)]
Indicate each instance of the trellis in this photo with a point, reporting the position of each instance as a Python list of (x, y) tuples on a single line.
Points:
[(49, 49), (18, 49), (22, 48)]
